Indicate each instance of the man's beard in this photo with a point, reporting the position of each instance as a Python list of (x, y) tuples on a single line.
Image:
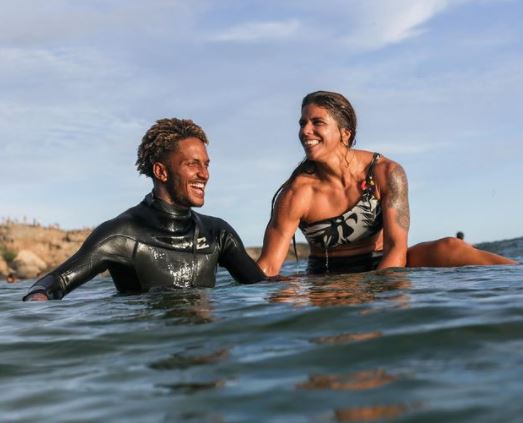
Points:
[(170, 186)]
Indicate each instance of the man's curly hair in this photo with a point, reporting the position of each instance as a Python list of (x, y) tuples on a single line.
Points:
[(162, 138)]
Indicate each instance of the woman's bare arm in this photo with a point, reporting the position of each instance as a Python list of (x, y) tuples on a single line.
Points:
[(288, 210), (396, 216)]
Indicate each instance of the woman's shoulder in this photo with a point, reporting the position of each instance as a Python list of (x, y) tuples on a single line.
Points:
[(387, 171), (382, 165), (301, 185), (297, 194), (379, 159)]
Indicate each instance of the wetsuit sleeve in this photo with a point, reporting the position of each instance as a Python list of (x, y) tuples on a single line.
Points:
[(91, 259), (236, 260)]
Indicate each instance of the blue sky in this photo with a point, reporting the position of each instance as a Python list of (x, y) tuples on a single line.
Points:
[(437, 85)]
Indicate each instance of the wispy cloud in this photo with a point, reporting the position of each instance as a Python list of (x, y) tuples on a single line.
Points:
[(258, 31), (63, 63), (378, 23)]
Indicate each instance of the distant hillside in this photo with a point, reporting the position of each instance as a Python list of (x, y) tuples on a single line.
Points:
[(508, 247), (51, 245)]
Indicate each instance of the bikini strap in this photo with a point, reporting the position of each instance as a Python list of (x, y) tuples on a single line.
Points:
[(368, 183)]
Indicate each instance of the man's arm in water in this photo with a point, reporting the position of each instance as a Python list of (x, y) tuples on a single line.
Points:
[(236, 260), (85, 264)]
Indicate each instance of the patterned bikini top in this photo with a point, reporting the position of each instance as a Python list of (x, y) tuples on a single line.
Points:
[(362, 221)]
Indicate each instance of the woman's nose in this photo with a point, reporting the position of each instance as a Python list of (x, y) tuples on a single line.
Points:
[(306, 128)]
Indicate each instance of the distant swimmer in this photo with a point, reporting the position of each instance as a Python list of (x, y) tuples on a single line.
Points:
[(161, 242), (460, 235)]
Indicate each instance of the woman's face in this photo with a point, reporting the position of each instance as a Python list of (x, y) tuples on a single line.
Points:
[(319, 133)]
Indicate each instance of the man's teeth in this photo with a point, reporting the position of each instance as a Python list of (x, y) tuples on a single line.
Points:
[(310, 143), (198, 185)]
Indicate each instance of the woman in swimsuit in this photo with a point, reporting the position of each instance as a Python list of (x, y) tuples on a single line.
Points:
[(351, 205)]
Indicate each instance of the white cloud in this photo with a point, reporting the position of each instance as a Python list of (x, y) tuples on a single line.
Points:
[(258, 31), (379, 23), (362, 25)]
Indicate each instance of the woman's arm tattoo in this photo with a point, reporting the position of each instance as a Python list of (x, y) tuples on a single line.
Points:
[(397, 196)]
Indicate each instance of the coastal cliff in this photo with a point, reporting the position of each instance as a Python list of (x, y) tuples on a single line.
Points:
[(29, 250)]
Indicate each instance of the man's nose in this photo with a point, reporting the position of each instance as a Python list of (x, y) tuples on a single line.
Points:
[(203, 172)]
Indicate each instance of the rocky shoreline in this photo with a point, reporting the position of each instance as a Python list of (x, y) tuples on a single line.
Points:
[(30, 250)]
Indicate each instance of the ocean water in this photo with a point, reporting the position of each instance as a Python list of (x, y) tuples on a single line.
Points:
[(424, 345)]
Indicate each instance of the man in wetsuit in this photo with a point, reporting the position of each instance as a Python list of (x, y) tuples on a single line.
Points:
[(161, 242)]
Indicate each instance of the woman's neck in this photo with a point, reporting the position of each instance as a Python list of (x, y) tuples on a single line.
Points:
[(340, 169)]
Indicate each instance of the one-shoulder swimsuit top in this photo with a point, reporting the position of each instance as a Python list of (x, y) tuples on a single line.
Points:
[(360, 222)]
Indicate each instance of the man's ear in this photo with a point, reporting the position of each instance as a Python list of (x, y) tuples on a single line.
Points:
[(160, 171)]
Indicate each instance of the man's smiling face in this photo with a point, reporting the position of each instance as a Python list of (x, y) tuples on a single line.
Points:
[(188, 172)]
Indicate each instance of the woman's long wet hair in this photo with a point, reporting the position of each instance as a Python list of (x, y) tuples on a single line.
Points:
[(343, 112)]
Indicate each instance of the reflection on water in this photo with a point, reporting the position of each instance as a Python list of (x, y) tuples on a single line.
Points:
[(197, 417), (184, 361), (346, 337), (190, 306), (367, 379), (357, 381), (338, 290), (349, 290), (192, 387), (374, 412)]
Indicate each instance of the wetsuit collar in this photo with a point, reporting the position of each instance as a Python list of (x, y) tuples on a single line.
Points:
[(176, 212)]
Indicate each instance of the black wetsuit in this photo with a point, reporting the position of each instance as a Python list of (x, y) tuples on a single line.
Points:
[(154, 245)]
